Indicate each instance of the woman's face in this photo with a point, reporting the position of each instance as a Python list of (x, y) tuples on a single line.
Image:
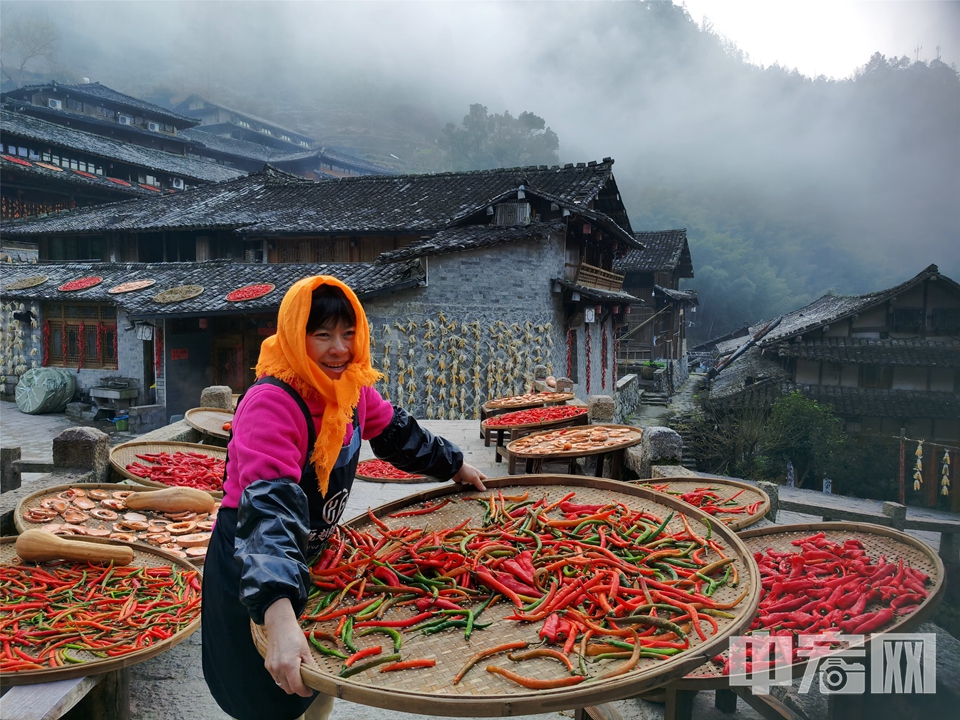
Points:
[(331, 348)]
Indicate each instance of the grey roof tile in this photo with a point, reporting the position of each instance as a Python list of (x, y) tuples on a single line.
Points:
[(217, 277), (663, 251), (591, 293), (472, 237), (19, 125), (926, 353), (72, 178), (96, 91)]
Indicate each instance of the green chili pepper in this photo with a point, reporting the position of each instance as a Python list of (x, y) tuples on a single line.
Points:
[(350, 671), (324, 649), (346, 635), (394, 634)]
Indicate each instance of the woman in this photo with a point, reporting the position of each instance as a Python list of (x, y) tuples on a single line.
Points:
[(290, 466)]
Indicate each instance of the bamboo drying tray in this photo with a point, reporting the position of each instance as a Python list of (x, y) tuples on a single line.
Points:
[(123, 455), (630, 439), (579, 419), (498, 405), (93, 665), (482, 694), (34, 501), (209, 421), (394, 481), (749, 494), (877, 540)]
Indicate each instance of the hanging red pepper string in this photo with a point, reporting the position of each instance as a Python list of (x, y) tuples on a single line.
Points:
[(569, 353), (116, 354), (64, 347), (81, 343), (588, 358), (603, 357), (46, 343), (158, 350), (100, 331)]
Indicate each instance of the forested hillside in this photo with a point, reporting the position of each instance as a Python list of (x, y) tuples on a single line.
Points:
[(789, 186)]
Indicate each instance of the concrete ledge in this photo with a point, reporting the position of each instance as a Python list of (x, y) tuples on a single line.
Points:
[(665, 471), (179, 431)]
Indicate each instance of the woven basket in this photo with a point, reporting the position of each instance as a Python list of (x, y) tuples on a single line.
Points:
[(27, 282), (209, 421), (131, 286), (178, 294), (93, 665), (877, 541), (34, 500), (748, 494), (123, 455), (628, 440), (481, 694)]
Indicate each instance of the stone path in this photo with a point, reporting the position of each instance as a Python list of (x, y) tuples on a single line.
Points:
[(681, 402)]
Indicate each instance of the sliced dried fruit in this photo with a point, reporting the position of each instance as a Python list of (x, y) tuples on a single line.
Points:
[(131, 286)]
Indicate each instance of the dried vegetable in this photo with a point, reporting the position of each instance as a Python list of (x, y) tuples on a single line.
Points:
[(103, 513), (528, 399), (131, 286), (535, 415), (250, 292), (182, 469), (588, 439), (69, 613), (831, 587), (711, 501), (384, 470), (602, 582)]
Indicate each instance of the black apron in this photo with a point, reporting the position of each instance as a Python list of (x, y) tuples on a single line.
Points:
[(232, 667)]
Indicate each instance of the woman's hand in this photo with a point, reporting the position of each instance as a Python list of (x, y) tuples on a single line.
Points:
[(287, 648), (469, 475)]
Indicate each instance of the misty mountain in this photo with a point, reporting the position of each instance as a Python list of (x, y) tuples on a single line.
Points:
[(789, 186)]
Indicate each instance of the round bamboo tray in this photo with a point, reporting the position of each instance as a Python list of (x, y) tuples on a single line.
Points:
[(34, 500), (541, 425), (209, 421), (395, 481), (93, 665), (481, 694), (629, 440), (877, 541), (504, 404), (123, 455), (746, 494)]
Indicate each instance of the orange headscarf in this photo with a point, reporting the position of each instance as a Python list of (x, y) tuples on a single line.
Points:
[(284, 356)]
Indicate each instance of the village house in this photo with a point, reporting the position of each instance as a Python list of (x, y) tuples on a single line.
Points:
[(885, 361), (470, 281), (656, 329)]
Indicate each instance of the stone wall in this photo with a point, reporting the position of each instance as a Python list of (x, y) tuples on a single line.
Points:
[(628, 397), (476, 331)]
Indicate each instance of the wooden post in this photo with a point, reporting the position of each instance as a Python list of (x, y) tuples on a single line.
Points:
[(903, 448), (9, 470)]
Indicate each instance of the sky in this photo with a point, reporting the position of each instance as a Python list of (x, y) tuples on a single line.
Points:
[(832, 37)]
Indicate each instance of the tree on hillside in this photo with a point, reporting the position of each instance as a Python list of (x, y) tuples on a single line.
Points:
[(485, 141), (23, 41)]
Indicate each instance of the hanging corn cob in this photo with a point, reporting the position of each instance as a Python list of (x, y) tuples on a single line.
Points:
[(945, 474), (918, 469)]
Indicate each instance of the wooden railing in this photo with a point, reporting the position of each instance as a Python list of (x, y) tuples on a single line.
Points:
[(594, 277)]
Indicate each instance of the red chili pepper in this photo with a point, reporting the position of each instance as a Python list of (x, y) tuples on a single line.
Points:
[(361, 654)]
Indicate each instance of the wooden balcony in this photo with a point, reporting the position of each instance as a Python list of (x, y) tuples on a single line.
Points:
[(594, 277)]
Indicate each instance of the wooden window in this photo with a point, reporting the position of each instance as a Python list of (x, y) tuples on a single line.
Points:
[(876, 376), (74, 105), (908, 319), (82, 335)]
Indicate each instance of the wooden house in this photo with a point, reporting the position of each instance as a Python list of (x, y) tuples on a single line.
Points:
[(886, 361), (656, 327), (499, 271)]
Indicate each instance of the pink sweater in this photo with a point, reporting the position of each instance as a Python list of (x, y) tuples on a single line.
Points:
[(270, 435)]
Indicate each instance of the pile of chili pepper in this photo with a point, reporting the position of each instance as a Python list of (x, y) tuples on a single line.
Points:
[(827, 586), (50, 613), (382, 469), (628, 579), (535, 415), (711, 502), (189, 469)]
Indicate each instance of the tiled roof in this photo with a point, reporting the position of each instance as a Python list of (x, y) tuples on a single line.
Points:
[(749, 369), (664, 251), (876, 352), (275, 202), (335, 157), (684, 296), (71, 178), (876, 402), (472, 237), (590, 293), (217, 277), (831, 308), (100, 92), (21, 125), (250, 116)]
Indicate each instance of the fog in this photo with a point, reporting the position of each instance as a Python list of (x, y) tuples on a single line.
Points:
[(822, 189)]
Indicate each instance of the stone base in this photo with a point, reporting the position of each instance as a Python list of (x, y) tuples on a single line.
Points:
[(78, 411)]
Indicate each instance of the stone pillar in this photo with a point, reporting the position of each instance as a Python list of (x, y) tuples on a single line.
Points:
[(601, 409), (659, 446), (897, 514), (85, 449), (217, 396), (773, 491), (9, 472)]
